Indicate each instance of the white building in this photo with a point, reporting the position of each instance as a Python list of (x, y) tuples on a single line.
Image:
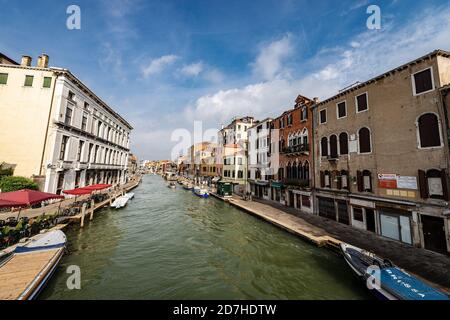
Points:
[(233, 141), (57, 131), (259, 158)]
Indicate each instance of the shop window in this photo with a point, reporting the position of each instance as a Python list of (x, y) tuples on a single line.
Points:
[(429, 133), (358, 214), (327, 208), (395, 226), (306, 201)]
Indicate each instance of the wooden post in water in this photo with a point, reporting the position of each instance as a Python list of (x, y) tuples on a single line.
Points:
[(92, 209), (83, 212)]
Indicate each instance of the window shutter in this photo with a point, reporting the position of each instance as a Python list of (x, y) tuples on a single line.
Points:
[(445, 184), (360, 181), (322, 179), (423, 185)]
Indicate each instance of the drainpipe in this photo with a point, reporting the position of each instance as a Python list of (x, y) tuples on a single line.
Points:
[(48, 125)]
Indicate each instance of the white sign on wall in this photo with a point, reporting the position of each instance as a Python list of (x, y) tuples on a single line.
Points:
[(405, 182)]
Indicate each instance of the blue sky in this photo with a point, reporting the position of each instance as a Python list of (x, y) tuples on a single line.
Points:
[(163, 64)]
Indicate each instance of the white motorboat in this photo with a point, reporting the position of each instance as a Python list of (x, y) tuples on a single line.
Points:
[(122, 201), (201, 192)]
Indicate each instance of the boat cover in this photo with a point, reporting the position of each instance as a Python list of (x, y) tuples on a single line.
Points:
[(407, 287)]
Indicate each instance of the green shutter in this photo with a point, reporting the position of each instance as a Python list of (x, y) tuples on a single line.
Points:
[(3, 78), (47, 82), (28, 81)]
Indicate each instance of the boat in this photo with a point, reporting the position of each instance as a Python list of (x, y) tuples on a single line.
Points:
[(187, 186), (122, 201), (201, 192), (172, 185), (39, 256), (385, 280)]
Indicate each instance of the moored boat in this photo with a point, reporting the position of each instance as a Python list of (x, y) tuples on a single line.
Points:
[(39, 257), (387, 281), (172, 185), (122, 201), (201, 192)]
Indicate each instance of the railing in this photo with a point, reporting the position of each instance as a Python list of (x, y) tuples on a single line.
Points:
[(302, 148), (303, 183)]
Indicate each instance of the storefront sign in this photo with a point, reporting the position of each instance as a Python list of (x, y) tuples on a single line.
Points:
[(394, 181)]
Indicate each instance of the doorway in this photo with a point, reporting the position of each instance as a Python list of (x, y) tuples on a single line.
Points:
[(434, 234), (370, 220)]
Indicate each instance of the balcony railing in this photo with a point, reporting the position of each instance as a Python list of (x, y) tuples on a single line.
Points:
[(302, 183), (299, 149)]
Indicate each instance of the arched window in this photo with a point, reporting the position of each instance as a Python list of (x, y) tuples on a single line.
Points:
[(343, 143), (306, 171), (333, 146), (429, 131), (288, 171), (294, 171), (364, 141), (324, 146), (300, 171)]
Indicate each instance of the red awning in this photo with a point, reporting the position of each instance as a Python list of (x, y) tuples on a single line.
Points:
[(11, 204), (87, 190), (28, 197)]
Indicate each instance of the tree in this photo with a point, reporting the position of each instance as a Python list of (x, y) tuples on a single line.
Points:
[(9, 183)]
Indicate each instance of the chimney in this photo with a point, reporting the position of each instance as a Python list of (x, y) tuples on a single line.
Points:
[(316, 100), (26, 61), (43, 61)]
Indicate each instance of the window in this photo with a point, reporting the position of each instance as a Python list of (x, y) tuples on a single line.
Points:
[(289, 120), (367, 181), (333, 147), (341, 110), (77, 179), (71, 96), (240, 161), (429, 133), (362, 103), (68, 118), (84, 122), (422, 81), (364, 141), (304, 114), (358, 214), (434, 184), (60, 184), (327, 179), (3, 78), (324, 147), (90, 152), (62, 151), (344, 180), (323, 116), (86, 105), (28, 81), (80, 150), (47, 82), (343, 143)]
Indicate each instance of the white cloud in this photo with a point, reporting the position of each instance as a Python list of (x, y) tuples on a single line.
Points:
[(158, 65), (269, 63), (192, 70)]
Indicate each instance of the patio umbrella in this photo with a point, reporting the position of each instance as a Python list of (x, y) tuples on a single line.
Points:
[(11, 204), (28, 197)]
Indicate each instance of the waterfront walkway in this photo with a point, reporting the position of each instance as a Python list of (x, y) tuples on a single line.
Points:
[(431, 267)]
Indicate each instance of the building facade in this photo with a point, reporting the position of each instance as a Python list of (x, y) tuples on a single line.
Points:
[(233, 141), (57, 131), (259, 159), (382, 154), (295, 180)]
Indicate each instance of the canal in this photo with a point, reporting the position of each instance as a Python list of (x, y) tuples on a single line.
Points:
[(169, 244)]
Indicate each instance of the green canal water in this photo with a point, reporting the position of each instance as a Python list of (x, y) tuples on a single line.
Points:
[(169, 244)]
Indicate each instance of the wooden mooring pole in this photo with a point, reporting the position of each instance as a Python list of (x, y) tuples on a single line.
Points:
[(83, 212), (92, 209)]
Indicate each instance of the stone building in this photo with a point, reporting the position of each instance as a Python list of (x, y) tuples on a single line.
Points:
[(382, 154), (56, 130)]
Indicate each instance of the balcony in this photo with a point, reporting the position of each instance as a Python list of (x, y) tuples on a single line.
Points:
[(333, 158), (301, 183), (296, 150)]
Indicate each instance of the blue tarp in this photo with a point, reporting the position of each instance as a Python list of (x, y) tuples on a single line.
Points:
[(407, 287)]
